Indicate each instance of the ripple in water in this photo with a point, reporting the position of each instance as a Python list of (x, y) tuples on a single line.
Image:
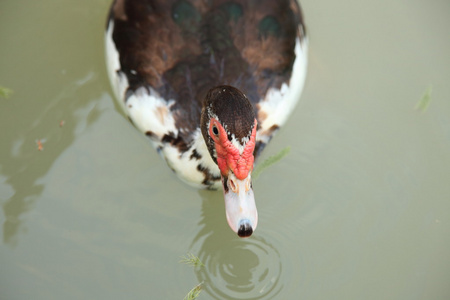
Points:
[(240, 269)]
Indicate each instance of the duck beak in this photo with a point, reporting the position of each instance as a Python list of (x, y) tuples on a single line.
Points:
[(240, 207)]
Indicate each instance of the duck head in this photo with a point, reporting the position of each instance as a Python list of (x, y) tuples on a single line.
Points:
[(228, 127)]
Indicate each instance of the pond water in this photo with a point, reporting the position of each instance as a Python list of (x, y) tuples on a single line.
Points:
[(359, 209)]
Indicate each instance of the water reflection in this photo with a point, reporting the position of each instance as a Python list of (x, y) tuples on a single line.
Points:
[(24, 166), (235, 268)]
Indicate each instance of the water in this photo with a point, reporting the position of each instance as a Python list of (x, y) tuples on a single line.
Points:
[(358, 210)]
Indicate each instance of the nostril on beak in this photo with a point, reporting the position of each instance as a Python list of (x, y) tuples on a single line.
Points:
[(245, 229), (232, 185)]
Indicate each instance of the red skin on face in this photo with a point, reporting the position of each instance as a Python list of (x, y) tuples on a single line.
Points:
[(228, 157)]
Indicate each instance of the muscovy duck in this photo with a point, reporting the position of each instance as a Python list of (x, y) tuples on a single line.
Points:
[(209, 82)]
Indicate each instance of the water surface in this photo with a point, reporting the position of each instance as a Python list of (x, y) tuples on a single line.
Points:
[(358, 210)]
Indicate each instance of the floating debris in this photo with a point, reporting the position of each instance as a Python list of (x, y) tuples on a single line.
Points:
[(40, 145), (61, 123), (191, 260), (424, 102), (194, 293), (270, 161), (5, 92)]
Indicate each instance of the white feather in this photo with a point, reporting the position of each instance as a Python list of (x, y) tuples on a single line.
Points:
[(150, 112), (279, 103), (186, 168)]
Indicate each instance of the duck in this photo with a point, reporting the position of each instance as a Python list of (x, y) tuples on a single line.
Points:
[(209, 82)]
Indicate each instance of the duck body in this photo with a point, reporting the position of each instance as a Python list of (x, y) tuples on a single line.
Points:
[(209, 82)]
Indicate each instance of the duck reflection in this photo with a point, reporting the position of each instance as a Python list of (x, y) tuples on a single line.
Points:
[(24, 165), (235, 268)]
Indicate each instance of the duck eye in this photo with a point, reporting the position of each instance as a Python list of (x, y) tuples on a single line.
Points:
[(215, 130)]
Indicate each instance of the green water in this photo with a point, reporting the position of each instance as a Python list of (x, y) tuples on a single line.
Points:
[(359, 209)]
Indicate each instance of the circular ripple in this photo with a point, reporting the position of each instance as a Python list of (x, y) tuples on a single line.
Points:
[(240, 269)]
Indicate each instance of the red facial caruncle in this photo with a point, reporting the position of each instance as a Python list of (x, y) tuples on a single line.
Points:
[(228, 156)]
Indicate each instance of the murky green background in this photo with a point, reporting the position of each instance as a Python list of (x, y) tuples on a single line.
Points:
[(360, 209)]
